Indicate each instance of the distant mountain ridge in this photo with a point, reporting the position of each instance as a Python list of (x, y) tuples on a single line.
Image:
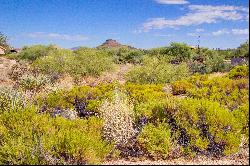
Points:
[(75, 48)]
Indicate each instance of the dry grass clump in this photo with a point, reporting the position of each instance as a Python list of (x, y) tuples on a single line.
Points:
[(118, 119)]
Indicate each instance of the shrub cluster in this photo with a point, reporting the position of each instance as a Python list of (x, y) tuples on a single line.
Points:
[(210, 63), (34, 52), (180, 87), (156, 70), (198, 125), (148, 121), (28, 137), (33, 83), (156, 140), (230, 93), (125, 55), (86, 124), (239, 72), (81, 63)]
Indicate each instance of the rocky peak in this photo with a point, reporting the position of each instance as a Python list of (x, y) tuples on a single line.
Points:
[(110, 43)]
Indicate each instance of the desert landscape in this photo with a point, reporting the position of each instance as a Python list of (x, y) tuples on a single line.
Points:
[(113, 103)]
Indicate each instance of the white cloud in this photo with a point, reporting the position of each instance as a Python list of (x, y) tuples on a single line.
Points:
[(163, 35), (218, 8), (240, 31), (199, 30), (198, 14), (192, 34), (196, 34), (233, 31), (56, 36), (172, 2), (221, 32), (113, 33)]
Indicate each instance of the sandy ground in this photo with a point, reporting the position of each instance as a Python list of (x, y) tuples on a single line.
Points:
[(5, 67), (241, 158)]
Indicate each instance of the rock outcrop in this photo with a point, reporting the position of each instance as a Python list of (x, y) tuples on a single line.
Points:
[(110, 43)]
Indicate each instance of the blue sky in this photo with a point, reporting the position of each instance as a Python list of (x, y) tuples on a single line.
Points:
[(139, 23)]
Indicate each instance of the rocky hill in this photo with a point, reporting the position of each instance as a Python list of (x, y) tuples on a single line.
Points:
[(110, 43)]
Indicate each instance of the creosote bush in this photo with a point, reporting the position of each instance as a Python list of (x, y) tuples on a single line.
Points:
[(125, 55), (29, 137), (197, 125), (228, 92), (34, 52), (157, 70), (84, 62), (156, 140), (180, 87), (200, 123), (239, 72)]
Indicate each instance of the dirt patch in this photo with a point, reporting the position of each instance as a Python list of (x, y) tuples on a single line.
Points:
[(5, 68), (107, 77), (241, 158)]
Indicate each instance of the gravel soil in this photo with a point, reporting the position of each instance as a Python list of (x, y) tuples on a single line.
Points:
[(241, 158)]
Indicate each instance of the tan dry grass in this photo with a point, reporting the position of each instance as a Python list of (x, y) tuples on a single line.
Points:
[(107, 77), (217, 74)]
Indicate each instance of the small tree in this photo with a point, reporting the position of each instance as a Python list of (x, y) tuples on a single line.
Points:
[(180, 52), (242, 50)]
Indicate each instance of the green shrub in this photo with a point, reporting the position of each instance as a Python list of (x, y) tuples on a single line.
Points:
[(210, 64), (239, 72), (156, 140), (197, 67), (28, 137), (242, 116), (144, 93), (242, 50), (156, 70), (180, 52), (81, 63), (91, 96), (216, 64), (34, 52), (207, 61), (180, 87), (54, 63), (230, 93), (33, 83), (90, 62), (198, 124), (126, 55)]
